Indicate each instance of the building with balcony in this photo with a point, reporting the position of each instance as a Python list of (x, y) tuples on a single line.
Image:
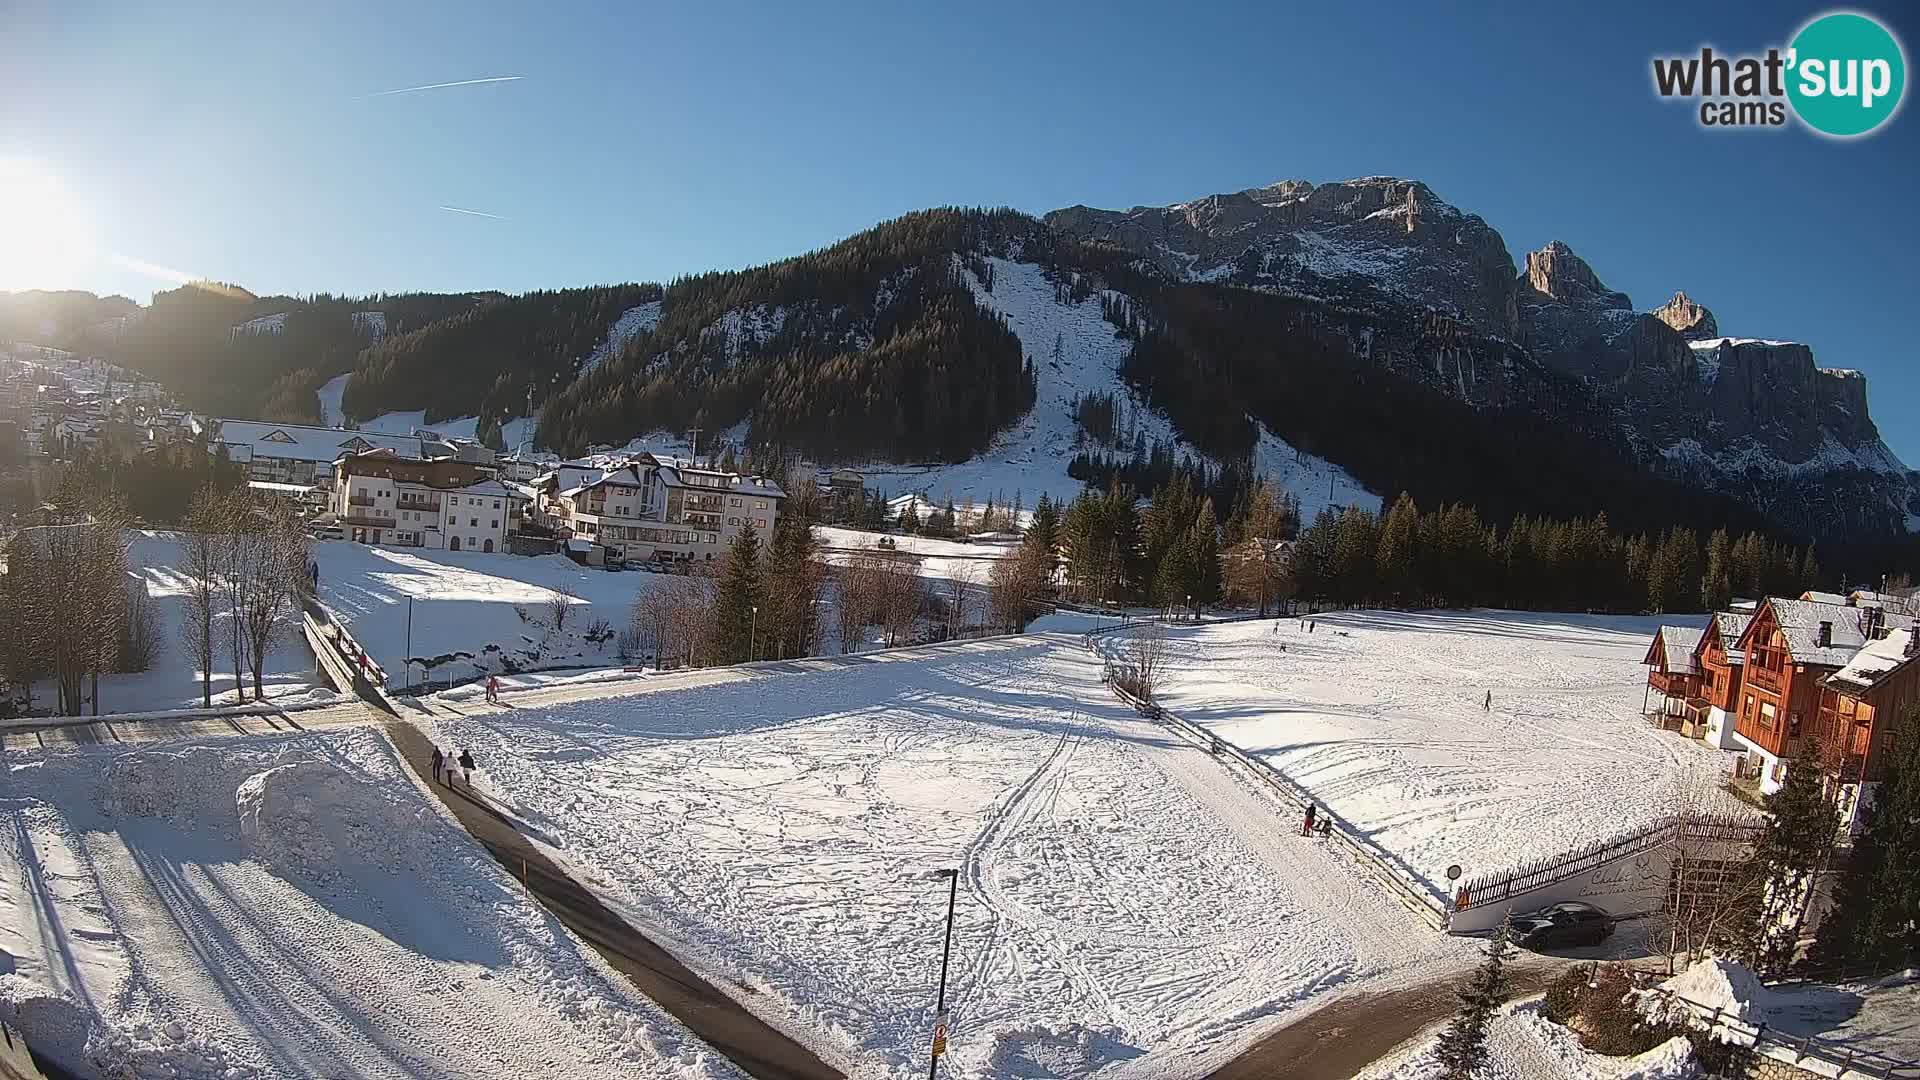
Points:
[(653, 509), (1858, 708), (1673, 672), (1790, 646), (380, 497), (1721, 664)]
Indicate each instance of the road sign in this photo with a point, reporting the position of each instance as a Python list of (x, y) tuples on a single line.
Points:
[(940, 1035), (1453, 872)]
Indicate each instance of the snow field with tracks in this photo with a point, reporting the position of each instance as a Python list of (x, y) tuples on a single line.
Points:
[(1126, 907)]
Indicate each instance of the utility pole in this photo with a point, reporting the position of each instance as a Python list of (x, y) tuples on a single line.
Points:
[(693, 440), (940, 1004), (409, 639)]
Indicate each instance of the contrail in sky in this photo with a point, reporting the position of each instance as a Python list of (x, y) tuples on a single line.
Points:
[(444, 85), (475, 213), (154, 270)]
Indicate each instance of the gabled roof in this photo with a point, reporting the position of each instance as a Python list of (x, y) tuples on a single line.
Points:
[(1875, 662), (1823, 597), (1799, 622), (299, 442), (1727, 626), (1673, 649)]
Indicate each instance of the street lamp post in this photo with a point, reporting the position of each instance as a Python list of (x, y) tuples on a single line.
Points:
[(946, 954), (753, 628), (409, 639)]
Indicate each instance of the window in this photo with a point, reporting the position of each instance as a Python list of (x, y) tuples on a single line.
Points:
[(760, 523), (733, 502), (473, 523), (1768, 715), (759, 504), (494, 524), (496, 504)]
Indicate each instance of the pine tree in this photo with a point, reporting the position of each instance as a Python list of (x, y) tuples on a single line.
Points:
[(1394, 559), (1798, 837), (1716, 588), (739, 593), (1809, 571), (1044, 531), (1876, 907), (909, 520), (1462, 1051)]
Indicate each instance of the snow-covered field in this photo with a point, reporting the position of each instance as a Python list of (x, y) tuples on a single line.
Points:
[(1032, 457), (1379, 715), (463, 602), (970, 562), (1126, 907), (248, 909), (171, 682)]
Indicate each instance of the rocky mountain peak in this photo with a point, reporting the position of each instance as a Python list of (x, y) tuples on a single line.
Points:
[(1557, 273), (1693, 320)]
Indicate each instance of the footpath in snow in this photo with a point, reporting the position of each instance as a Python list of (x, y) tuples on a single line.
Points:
[(1126, 906), (1381, 717), (288, 907)]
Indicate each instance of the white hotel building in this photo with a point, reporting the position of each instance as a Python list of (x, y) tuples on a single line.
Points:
[(651, 509)]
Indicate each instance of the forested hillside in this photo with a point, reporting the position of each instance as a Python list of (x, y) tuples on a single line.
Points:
[(874, 346), (484, 361), (225, 351)]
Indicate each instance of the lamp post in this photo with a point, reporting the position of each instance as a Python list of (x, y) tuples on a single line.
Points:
[(946, 954), (753, 628), (409, 639)]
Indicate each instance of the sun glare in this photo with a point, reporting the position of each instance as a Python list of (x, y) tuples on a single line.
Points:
[(46, 234)]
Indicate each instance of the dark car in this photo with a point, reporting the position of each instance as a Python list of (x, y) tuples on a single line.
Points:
[(1562, 925)]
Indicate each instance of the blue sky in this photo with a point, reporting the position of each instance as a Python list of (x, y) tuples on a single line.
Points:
[(242, 143)]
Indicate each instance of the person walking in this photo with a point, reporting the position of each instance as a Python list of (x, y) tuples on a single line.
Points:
[(493, 690), (1307, 829), (439, 762), (466, 768), (446, 766), (1488, 704)]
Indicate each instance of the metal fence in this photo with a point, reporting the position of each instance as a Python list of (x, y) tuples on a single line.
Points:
[(1796, 1050), (1396, 880)]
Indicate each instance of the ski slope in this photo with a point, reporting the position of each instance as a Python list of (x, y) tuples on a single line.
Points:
[(1032, 456), (259, 908), (1126, 908), (1381, 717)]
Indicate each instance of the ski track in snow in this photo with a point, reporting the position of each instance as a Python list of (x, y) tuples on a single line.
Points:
[(1032, 456), (280, 907), (1124, 902)]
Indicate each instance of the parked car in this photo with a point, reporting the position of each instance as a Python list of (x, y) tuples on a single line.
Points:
[(1561, 925)]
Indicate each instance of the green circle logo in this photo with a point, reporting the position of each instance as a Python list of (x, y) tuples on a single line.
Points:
[(1847, 74)]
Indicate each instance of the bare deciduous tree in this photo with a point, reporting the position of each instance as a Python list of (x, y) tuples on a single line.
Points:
[(560, 606), (200, 562), (961, 588), (269, 565), (1147, 650)]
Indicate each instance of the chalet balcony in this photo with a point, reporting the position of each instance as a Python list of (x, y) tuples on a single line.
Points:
[(420, 504), (1765, 677), (360, 500), (1674, 684)]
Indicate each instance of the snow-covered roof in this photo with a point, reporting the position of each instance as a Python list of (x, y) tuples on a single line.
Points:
[(1873, 663), (298, 442), (1799, 622), (1729, 625), (492, 488), (1676, 645), (1823, 597)]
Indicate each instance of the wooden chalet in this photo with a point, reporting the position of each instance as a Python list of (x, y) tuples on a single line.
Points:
[(1674, 672), (1790, 646), (1858, 707), (1721, 663)]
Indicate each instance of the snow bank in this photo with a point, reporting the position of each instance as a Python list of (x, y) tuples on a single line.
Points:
[(1710, 985), (312, 817), (1522, 1044), (291, 905)]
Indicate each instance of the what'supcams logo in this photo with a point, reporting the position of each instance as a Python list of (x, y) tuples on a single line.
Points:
[(1843, 75)]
